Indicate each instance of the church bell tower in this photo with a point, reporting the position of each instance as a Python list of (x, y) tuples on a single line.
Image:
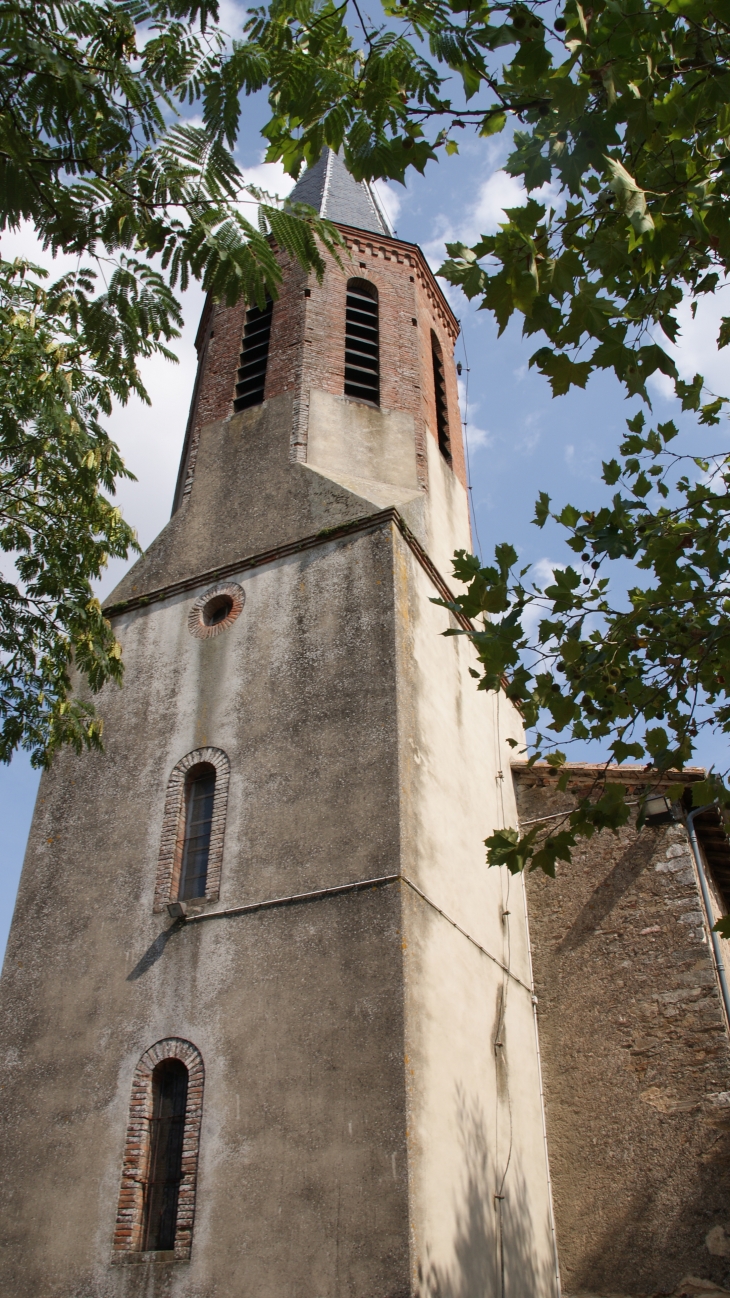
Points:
[(267, 1018)]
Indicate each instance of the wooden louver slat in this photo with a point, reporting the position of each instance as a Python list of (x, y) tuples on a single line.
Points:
[(442, 409), (362, 368), (251, 376)]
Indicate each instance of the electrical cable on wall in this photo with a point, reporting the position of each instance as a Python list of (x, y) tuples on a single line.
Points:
[(498, 757), (501, 1060), (465, 426)]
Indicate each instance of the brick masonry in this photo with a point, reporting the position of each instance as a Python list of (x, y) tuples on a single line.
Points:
[(635, 1057), (197, 625), (307, 348), (135, 1168), (173, 826)]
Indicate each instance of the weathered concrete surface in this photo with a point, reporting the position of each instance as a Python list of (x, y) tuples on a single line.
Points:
[(442, 524), (350, 439), (247, 497), (635, 1059), (474, 1114), (298, 1013), (318, 1175)]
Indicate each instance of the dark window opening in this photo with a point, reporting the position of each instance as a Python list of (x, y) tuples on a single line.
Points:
[(254, 357), (442, 408), (217, 610), (199, 798), (362, 367), (167, 1125)]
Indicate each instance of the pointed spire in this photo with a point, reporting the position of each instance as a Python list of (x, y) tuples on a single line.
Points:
[(329, 188)]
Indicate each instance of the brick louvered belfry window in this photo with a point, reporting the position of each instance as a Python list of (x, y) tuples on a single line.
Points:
[(442, 408), (362, 342), (254, 357)]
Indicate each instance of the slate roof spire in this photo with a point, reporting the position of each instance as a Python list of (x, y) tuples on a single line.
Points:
[(331, 190)]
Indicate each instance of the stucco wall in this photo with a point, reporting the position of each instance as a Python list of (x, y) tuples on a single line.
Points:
[(297, 1012), (357, 1109), (635, 1056), (474, 1115)]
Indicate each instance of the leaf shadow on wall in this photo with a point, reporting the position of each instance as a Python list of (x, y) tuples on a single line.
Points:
[(610, 890), (477, 1271)]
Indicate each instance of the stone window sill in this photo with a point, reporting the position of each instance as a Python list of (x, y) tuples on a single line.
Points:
[(124, 1257)]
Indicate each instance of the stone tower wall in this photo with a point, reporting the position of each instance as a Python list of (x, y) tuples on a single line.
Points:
[(355, 985), (296, 1011)]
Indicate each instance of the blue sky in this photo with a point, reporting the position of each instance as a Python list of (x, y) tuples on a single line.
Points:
[(521, 441)]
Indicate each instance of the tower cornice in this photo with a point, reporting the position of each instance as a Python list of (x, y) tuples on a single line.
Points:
[(392, 249), (368, 523)]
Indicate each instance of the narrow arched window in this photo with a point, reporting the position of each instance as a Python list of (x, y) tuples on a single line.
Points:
[(362, 342), (193, 828), (167, 1128), (254, 358), (442, 408), (199, 803), (156, 1210)]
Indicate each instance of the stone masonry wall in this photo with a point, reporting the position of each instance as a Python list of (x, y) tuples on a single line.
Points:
[(635, 1058)]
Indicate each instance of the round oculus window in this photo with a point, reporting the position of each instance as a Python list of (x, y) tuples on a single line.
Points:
[(216, 610)]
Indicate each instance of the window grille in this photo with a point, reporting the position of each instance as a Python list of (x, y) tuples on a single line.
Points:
[(362, 368), (199, 799), (442, 408), (167, 1126), (254, 357)]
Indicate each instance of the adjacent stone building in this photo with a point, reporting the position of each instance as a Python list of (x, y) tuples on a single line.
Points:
[(634, 1043), (268, 1022)]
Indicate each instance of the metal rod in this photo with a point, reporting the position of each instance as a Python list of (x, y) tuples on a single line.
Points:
[(294, 898), (298, 897), (714, 937), (557, 815)]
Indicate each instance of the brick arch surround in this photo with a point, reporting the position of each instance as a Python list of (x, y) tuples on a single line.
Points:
[(173, 826), (128, 1229)]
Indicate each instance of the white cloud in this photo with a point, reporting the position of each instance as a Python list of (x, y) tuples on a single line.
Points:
[(232, 16), (527, 444), (24, 242), (696, 349), (485, 214), (477, 438), (495, 194), (541, 572), (271, 177), (390, 201), (540, 575), (150, 437)]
